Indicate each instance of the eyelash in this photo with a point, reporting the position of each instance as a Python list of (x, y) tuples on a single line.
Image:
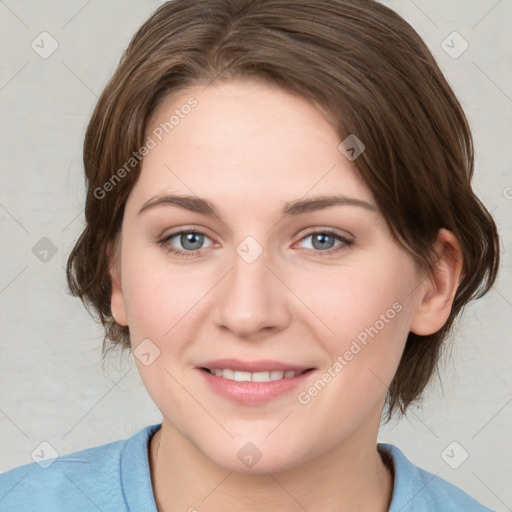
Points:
[(192, 254)]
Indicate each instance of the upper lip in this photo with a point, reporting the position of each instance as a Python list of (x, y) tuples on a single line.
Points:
[(261, 365)]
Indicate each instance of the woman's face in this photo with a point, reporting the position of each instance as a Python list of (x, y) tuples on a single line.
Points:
[(272, 275)]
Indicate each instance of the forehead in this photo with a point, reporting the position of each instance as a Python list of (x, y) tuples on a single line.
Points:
[(244, 139)]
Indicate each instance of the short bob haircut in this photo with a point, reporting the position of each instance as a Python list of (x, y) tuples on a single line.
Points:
[(366, 70)]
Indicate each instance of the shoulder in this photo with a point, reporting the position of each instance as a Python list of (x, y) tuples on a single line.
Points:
[(81, 481), (418, 490)]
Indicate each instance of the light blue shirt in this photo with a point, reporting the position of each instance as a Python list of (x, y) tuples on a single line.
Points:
[(115, 477)]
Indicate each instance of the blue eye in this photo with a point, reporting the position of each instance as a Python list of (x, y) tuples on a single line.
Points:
[(322, 240), (188, 239), (192, 241)]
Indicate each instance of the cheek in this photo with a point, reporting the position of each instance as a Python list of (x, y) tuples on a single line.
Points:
[(355, 298), (158, 297), (162, 302), (365, 317)]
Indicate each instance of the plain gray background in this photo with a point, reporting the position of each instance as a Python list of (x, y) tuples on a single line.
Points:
[(53, 387)]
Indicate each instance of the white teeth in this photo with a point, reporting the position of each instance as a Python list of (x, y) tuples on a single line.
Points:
[(228, 374), (261, 376), (242, 376), (253, 377)]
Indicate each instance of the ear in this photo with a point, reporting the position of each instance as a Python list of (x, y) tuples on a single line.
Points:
[(435, 294), (117, 304)]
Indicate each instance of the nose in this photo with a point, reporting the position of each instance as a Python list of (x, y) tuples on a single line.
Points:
[(251, 299)]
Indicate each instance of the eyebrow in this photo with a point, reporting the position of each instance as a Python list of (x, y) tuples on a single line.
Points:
[(293, 208)]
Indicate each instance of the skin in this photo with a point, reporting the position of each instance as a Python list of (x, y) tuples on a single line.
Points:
[(248, 148)]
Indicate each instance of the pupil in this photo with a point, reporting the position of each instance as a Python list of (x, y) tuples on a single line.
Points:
[(189, 238), (322, 239)]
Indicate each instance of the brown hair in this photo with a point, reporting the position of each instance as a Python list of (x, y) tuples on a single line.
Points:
[(367, 69)]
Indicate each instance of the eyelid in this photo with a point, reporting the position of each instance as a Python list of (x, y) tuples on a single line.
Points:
[(342, 233)]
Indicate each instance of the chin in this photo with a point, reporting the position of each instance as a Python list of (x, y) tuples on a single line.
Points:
[(251, 458)]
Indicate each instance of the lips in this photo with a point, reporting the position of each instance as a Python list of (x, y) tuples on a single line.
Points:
[(252, 383), (252, 366)]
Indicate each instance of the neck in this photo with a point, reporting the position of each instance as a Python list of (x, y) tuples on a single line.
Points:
[(349, 477)]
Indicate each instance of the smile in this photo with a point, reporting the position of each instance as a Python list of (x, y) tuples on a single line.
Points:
[(254, 388), (265, 376)]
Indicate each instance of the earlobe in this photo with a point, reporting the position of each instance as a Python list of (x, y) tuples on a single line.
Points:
[(117, 305), (436, 292)]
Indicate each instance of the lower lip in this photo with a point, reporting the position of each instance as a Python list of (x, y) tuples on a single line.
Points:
[(253, 392)]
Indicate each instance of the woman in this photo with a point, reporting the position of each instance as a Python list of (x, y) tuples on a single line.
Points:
[(280, 224)]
